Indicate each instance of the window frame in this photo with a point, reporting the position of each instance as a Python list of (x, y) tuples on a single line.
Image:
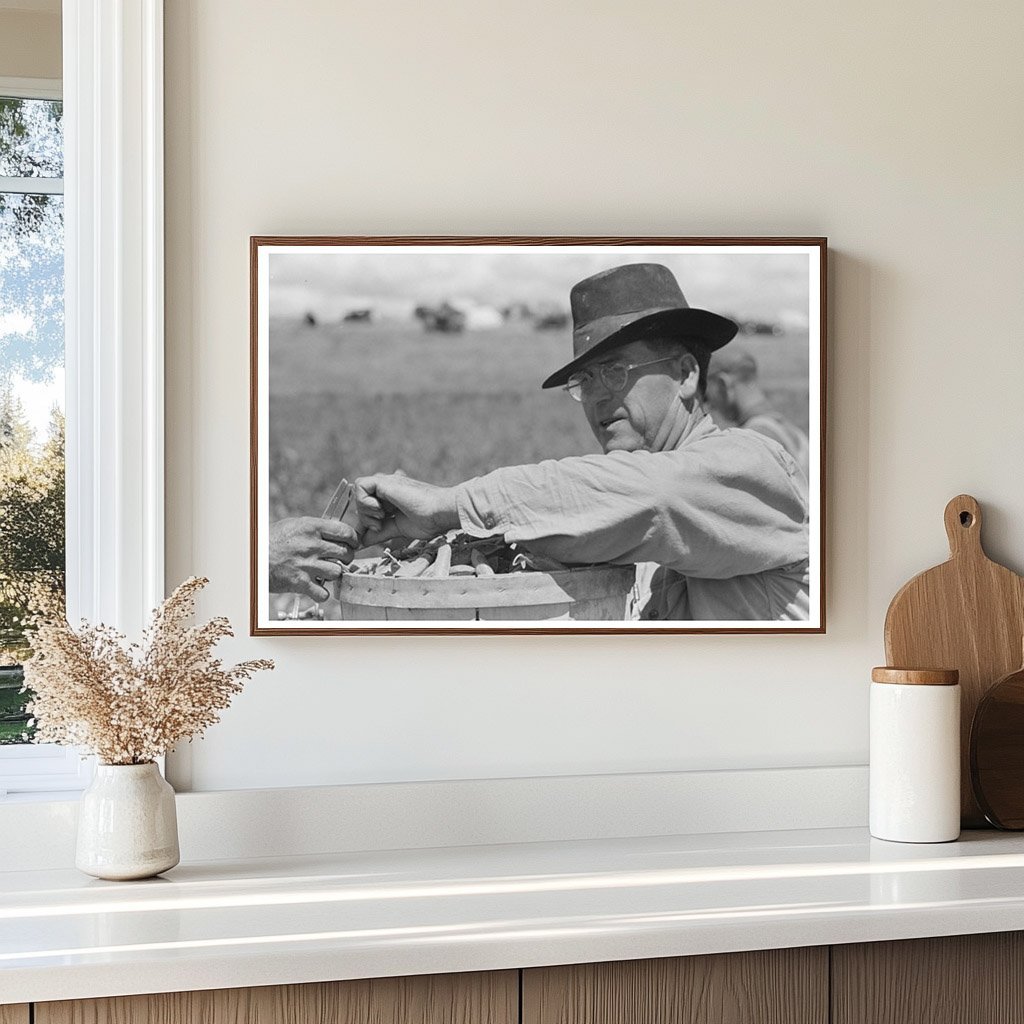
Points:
[(38, 768), (31, 89), (112, 90)]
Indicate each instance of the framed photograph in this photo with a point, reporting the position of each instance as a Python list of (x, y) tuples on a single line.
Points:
[(537, 435)]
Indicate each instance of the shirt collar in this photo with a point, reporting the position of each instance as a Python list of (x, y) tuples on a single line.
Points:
[(684, 432)]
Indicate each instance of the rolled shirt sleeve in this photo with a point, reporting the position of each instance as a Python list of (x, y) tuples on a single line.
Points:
[(725, 505)]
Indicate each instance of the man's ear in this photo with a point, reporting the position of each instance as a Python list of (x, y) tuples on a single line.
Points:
[(689, 377)]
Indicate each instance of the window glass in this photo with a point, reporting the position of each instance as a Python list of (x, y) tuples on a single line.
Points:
[(31, 388)]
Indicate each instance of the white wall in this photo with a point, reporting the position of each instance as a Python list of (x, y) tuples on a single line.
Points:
[(894, 129)]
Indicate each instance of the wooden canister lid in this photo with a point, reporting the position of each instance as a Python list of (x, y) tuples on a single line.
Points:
[(916, 676)]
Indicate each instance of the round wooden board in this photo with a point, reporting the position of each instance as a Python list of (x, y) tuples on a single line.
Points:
[(997, 752)]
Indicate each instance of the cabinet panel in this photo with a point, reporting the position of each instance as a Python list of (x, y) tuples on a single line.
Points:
[(482, 998), (963, 979), (779, 986), (14, 1014)]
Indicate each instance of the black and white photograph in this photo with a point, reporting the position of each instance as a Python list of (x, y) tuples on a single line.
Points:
[(537, 435)]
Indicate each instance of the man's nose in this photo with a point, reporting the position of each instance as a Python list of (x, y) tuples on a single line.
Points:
[(597, 405)]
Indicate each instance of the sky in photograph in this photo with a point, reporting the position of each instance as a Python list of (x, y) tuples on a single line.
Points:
[(750, 286)]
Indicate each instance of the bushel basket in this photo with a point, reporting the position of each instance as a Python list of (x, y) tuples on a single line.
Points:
[(599, 593)]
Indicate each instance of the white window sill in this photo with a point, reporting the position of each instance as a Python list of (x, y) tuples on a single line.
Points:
[(47, 796)]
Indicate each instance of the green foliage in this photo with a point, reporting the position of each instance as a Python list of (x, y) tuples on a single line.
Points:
[(31, 138), (14, 719), (31, 525)]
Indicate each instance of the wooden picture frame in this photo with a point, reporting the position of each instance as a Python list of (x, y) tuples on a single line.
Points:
[(425, 354)]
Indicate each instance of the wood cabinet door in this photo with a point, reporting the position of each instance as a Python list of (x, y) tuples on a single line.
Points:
[(778, 986), (14, 1014), (962, 979), (482, 998)]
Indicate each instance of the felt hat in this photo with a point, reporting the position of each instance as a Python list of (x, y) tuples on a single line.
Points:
[(620, 305)]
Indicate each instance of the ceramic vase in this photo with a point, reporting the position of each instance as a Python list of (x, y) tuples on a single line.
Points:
[(127, 825)]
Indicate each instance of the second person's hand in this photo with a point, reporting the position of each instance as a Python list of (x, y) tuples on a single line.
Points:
[(306, 551), (394, 505)]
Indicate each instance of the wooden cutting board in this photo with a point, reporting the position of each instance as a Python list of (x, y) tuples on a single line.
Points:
[(967, 614)]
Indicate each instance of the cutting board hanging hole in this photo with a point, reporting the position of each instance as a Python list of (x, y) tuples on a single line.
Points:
[(963, 525)]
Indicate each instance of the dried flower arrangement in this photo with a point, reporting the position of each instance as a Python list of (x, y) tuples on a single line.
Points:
[(130, 703)]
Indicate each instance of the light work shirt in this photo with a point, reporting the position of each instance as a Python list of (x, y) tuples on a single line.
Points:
[(723, 516), (767, 421)]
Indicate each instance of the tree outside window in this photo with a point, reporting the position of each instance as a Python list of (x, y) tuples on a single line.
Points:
[(31, 386)]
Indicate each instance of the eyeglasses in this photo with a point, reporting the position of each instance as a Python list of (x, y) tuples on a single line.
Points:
[(614, 376)]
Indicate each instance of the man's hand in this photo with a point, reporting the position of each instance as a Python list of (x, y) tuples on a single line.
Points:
[(398, 506), (305, 549)]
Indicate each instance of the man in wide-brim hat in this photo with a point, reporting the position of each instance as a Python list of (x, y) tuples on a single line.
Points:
[(720, 516)]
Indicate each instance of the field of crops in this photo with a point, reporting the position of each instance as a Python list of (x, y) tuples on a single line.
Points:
[(347, 400)]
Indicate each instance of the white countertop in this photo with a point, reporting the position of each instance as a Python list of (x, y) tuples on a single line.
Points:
[(225, 924)]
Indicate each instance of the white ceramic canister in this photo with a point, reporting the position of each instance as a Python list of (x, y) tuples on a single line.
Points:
[(915, 755)]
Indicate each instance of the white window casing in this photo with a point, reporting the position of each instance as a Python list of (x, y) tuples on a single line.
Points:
[(113, 168), (114, 326)]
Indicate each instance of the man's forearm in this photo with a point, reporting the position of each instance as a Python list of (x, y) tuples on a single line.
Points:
[(448, 509), (723, 514)]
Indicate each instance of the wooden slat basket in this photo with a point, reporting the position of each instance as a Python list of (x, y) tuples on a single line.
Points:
[(599, 593)]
